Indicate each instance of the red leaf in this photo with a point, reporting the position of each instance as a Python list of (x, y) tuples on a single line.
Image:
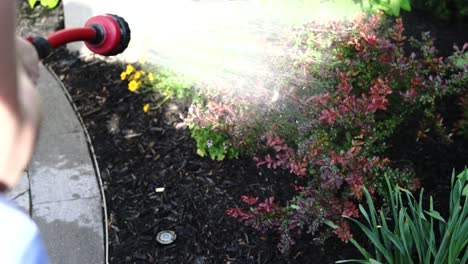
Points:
[(249, 199)]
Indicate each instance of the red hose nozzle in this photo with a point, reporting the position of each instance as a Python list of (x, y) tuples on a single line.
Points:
[(106, 35)]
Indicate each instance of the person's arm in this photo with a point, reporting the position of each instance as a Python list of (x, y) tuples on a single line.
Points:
[(8, 96), (8, 92), (19, 101)]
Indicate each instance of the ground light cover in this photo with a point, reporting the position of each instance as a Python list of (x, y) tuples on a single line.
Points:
[(377, 104)]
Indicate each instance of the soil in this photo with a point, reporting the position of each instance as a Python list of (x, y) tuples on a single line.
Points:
[(139, 152)]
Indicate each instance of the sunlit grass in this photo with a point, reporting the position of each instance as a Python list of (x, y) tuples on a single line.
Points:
[(231, 42), (299, 12)]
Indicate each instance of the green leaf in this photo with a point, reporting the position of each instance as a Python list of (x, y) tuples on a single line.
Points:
[(455, 197), (417, 239), (384, 224), (51, 4), (293, 206), (394, 238), (464, 174), (331, 224), (353, 260), (361, 249), (465, 257), (349, 138), (374, 238), (459, 237), (372, 211), (395, 7), (364, 213), (405, 5), (32, 3), (404, 230), (436, 215), (393, 199), (460, 62)]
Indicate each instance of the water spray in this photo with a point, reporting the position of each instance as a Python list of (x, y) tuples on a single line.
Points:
[(106, 35)]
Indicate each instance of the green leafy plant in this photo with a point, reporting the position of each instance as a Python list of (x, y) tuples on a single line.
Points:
[(213, 143), (50, 4), (210, 127), (390, 7), (413, 234)]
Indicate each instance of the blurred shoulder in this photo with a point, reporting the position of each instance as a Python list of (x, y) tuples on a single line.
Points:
[(17, 231)]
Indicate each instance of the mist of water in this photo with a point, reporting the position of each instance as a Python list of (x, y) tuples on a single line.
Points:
[(232, 44)]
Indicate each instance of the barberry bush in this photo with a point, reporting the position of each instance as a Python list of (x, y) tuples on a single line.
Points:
[(360, 86)]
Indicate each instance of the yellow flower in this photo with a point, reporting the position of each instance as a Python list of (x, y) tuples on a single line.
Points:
[(129, 69), (133, 86), (146, 108), (137, 75), (151, 76), (123, 76)]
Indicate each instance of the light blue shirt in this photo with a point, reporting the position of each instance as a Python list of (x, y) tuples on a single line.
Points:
[(20, 241)]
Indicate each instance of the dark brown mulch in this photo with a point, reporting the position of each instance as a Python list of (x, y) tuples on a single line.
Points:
[(139, 152)]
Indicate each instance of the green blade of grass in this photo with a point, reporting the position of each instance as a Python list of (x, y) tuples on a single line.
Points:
[(408, 238), (353, 261), (393, 201), (402, 230), (375, 241), (465, 257), (435, 215), (432, 244), (373, 217), (364, 213), (460, 236), (444, 250), (452, 183), (372, 211), (456, 195), (416, 227), (394, 239), (463, 230), (420, 207), (383, 222), (362, 250), (418, 239)]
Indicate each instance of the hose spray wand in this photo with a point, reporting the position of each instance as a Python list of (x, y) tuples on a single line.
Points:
[(106, 35)]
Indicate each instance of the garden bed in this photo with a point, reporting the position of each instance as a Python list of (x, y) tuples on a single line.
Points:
[(139, 152)]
